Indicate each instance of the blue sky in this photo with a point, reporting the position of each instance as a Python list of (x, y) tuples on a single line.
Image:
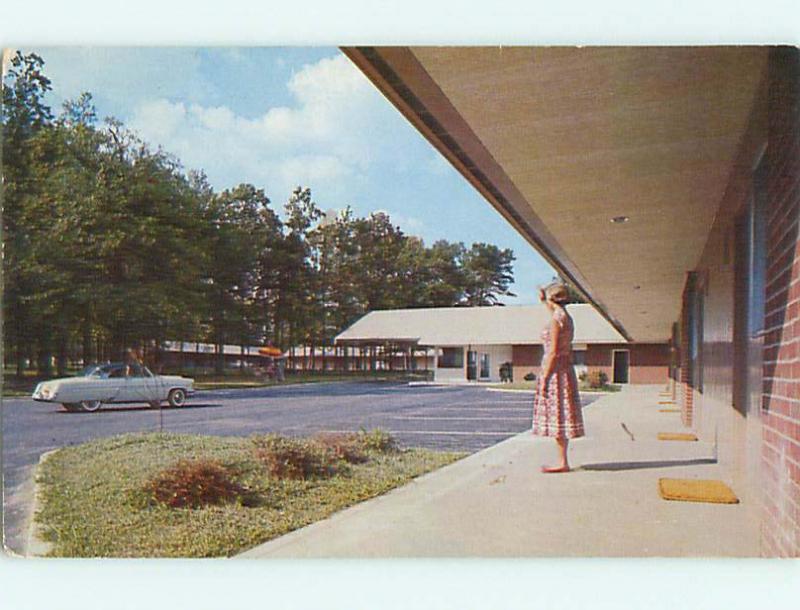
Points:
[(286, 116)]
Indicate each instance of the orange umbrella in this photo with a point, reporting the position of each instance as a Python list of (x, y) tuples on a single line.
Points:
[(270, 351)]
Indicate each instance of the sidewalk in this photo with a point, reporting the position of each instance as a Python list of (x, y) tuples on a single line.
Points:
[(496, 503)]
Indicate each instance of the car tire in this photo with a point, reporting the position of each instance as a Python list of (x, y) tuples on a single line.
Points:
[(177, 397), (72, 407), (90, 406)]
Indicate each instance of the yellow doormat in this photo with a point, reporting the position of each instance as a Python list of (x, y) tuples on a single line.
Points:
[(669, 410), (694, 490), (676, 436)]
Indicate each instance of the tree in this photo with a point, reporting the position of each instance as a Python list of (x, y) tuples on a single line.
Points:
[(489, 273), (241, 226), (573, 295), (25, 115)]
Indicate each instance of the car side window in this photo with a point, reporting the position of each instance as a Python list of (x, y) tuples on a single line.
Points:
[(117, 372)]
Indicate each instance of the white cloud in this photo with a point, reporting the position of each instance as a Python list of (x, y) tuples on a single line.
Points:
[(408, 224), (330, 132)]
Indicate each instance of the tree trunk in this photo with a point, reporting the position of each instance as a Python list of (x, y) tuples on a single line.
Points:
[(86, 337), (44, 361), (219, 361), (19, 352), (61, 356)]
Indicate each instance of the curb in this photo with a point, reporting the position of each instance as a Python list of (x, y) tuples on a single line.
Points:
[(531, 391), (35, 546)]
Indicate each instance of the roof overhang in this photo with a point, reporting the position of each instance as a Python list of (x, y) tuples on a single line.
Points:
[(562, 140)]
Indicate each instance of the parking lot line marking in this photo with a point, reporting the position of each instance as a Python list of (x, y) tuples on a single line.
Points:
[(439, 432), (479, 409), (445, 417)]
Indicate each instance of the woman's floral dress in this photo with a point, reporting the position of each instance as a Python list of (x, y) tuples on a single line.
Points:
[(557, 404)]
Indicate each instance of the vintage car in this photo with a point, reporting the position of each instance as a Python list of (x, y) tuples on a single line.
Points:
[(114, 383)]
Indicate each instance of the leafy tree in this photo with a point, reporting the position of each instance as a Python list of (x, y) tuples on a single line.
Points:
[(489, 273), (574, 295)]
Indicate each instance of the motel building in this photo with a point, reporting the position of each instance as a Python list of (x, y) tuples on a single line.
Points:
[(664, 184), (470, 344)]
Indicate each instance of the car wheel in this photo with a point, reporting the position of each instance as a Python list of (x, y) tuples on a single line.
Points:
[(176, 398), (90, 405), (72, 407)]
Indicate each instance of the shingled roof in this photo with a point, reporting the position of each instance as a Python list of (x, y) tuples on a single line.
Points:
[(509, 325)]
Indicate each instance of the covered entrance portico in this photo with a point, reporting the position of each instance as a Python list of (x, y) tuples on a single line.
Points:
[(664, 184)]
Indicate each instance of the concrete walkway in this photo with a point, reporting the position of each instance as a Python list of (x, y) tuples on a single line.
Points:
[(496, 503)]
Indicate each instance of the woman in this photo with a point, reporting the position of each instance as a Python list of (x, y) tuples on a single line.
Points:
[(557, 405)]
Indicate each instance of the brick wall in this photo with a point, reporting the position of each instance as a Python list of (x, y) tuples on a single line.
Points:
[(781, 399), (649, 362), (525, 359)]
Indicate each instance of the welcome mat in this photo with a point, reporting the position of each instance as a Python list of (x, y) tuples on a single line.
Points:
[(694, 490), (676, 436)]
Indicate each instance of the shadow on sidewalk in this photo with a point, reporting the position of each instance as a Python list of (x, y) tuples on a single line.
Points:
[(643, 465)]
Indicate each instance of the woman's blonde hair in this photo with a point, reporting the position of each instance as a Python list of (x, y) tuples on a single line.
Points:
[(555, 293)]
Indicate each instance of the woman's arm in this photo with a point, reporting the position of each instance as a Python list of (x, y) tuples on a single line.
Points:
[(549, 364)]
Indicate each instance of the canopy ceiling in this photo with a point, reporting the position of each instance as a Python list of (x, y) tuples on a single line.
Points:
[(562, 140)]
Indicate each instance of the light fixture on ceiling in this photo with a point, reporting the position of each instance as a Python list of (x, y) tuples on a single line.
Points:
[(620, 219)]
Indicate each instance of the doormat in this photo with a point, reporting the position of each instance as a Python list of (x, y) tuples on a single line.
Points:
[(694, 490), (669, 410), (676, 436)]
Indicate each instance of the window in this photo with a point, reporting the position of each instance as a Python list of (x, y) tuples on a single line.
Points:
[(579, 357), (484, 366), (694, 313), (452, 358), (757, 253)]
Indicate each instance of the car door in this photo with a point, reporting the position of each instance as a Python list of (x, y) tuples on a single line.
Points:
[(140, 385), (107, 386)]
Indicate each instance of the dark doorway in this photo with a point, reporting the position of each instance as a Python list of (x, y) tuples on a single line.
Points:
[(621, 363), (472, 365)]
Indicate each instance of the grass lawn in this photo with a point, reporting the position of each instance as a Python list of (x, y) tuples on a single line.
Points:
[(516, 385), (14, 387), (230, 381), (93, 502)]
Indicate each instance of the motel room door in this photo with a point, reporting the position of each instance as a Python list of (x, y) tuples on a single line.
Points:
[(621, 363), (472, 365), (750, 245)]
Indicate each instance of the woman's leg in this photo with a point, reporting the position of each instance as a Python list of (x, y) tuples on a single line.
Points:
[(563, 445)]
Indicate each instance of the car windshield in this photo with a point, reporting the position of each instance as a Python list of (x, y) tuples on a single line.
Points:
[(116, 370), (99, 370)]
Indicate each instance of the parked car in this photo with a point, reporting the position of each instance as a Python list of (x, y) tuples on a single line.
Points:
[(114, 383)]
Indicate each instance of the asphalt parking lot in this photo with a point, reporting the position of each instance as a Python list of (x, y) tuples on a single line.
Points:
[(452, 418)]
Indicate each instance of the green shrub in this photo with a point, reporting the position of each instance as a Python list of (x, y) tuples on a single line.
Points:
[(343, 446), (597, 379), (194, 484), (377, 440), (288, 458)]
